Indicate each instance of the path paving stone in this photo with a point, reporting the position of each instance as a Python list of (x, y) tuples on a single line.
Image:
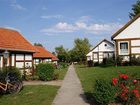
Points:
[(71, 92)]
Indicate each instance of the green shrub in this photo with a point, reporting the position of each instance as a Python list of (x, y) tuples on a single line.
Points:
[(90, 63), (63, 65), (108, 62), (45, 71), (96, 64), (104, 92), (135, 61), (56, 76), (119, 60), (13, 72)]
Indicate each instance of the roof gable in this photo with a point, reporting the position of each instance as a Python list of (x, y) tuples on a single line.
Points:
[(103, 42), (129, 30), (13, 40)]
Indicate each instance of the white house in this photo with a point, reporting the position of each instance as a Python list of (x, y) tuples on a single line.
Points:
[(42, 55), (18, 50), (104, 49), (127, 39)]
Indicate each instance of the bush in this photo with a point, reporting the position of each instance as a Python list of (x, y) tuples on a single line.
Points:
[(135, 61), (108, 62), (96, 64), (127, 90), (126, 63), (45, 71), (104, 92), (63, 65), (119, 60), (90, 63), (56, 76), (13, 72)]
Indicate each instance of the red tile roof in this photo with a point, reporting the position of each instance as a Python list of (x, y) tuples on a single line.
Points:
[(54, 58), (13, 40), (43, 53)]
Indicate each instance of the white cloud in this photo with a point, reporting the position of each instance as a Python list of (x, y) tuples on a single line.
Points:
[(60, 28), (52, 16), (64, 27), (81, 25), (17, 6)]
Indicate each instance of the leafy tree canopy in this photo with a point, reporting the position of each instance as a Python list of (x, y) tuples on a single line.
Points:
[(38, 44), (135, 9)]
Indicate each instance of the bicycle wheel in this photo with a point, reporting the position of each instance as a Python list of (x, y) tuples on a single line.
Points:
[(15, 87)]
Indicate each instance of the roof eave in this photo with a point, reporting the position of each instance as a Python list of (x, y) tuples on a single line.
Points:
[(125, 26), (10, 49)]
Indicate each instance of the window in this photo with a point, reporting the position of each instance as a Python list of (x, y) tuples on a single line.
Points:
[(106, 55), (124, 48), (95, 55)]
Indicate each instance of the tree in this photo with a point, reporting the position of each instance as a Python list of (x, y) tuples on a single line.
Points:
[(38, 44), (135, 9), (62, 53), (53, 53), (81, 48)]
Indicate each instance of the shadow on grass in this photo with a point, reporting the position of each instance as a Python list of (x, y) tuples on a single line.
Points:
[(90, 98)]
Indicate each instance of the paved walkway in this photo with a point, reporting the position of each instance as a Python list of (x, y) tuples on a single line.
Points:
[(71, 92), (55, 83)]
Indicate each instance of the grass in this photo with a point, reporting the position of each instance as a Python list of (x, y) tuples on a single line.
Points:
[(31, 95), (62, 72), (88, 76)]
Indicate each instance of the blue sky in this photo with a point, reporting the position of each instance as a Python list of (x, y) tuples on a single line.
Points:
[(59, 22)]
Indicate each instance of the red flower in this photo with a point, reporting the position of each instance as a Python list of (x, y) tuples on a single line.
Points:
[(134, 81), (114, 81), (123, 76), (136, 92), (137, 95)]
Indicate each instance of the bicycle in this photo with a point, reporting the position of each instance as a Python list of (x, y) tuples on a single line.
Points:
[(11, 85)]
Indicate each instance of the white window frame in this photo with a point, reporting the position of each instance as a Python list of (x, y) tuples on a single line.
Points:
[(120, 53)]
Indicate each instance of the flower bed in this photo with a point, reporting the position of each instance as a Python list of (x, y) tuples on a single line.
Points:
[(127, 90)]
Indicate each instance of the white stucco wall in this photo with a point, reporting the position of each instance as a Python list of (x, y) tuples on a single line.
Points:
[(89, 56), (132, 31), (28, 64), (135, 50), (36, 61), (19, 56), (135, 42), (103, 48), (19, 64), (28, 57), (1, 61), (13, 60), (47, 60)]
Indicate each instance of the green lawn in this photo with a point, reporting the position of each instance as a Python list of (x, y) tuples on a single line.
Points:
[(31, 95), (89, 75), (62, 72)]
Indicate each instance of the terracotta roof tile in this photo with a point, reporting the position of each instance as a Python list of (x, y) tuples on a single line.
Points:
[(43, 53), (13, 40), (54, 58)]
